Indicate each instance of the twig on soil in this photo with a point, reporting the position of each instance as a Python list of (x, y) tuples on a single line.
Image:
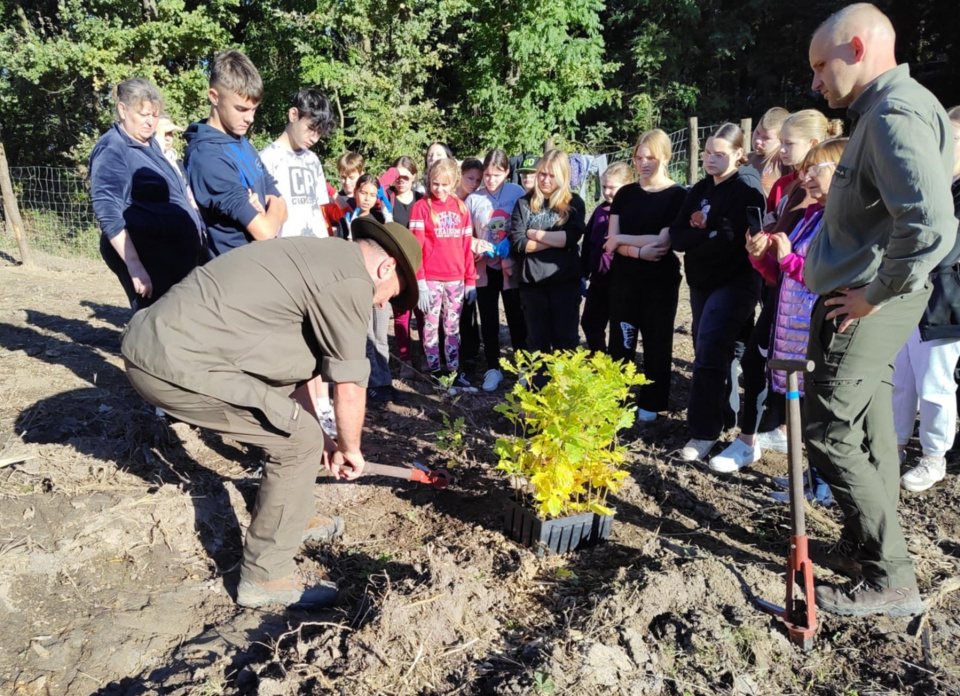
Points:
[(910, 664), (414, 663), (461, 648), (948, 586), (379, 655), (16, 459), (424, 601), (7, 548), (297, 631), (88, 676)]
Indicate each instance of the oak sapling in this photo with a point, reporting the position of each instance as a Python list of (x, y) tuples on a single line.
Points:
[(565, 454)]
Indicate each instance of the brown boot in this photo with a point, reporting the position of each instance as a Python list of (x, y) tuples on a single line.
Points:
[(323, 528), (288, 591), (860, 598), (838, 556)]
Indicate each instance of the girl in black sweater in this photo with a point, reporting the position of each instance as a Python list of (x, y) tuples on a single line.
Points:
[(645, 273), (724, 288), (546, 227)]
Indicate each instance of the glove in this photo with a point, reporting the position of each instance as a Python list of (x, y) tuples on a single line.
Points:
[(384, 199), (470, 295), (503, 248), (423, 304), (352, 215)]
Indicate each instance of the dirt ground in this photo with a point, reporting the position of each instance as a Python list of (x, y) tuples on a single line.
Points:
[(120, 536)]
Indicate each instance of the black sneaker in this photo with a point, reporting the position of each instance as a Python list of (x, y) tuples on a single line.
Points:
[(838, 556), (862, 598)]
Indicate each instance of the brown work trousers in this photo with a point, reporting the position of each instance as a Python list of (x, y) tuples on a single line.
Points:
[(285, 502)]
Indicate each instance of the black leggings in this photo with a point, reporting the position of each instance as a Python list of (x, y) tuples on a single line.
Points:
[(488, 302)]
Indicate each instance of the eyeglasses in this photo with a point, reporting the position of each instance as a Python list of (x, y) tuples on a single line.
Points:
[(814, 169)]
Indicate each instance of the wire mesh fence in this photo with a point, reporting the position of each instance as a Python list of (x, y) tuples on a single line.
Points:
[(58, 215), (679, 166), (56, 210)]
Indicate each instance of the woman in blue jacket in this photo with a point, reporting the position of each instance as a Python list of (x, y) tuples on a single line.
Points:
[(152, 235)]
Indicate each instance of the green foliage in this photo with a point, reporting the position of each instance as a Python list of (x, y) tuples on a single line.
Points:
[(450, 438), (62, 59), (534, 70), (567, 447), (543, 683), (590, 73)]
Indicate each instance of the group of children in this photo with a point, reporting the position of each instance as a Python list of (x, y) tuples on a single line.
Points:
[(743, 230)]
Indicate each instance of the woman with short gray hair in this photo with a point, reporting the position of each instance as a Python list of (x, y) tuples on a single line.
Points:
[(151, 235)]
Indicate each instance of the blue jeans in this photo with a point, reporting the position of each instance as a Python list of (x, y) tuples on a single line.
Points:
[(719, 315), (378, 351)]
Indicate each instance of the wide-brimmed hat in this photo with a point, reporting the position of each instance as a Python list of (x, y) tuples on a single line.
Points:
[(399, 243), (529, 164)]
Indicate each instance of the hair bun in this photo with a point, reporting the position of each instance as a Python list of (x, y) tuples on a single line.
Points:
[(834, 128)]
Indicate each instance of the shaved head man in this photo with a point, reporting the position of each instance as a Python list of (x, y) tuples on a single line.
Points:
[(849, 51), (888, 222)]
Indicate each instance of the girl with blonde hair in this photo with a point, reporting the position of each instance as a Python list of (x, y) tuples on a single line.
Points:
[(448, 277), (645, 273), (765, 157), (786, 205), (546, 227)]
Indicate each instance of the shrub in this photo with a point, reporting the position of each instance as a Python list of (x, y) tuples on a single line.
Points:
[(566, 447)]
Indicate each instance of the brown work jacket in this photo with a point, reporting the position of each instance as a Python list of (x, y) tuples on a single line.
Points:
[(252, 323)]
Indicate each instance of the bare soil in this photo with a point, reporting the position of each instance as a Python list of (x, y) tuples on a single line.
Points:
[(120, 536)]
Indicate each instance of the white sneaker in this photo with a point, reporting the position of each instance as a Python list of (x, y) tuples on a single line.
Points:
[(775, 440), (929, 471), (328, 421), (736, 456), (492, 379), (646, 416), (696, 449)]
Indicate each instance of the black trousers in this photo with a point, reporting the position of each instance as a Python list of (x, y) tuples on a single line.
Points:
[(167, 259), (719, 315), (644, 307), (754, 364), (488, 302), (552, 313), (469, 334)]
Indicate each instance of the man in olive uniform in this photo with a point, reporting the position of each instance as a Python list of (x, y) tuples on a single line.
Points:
[(888, 222), (225, 348)]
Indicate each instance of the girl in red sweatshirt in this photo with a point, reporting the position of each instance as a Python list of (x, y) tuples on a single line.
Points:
[(448, 278)]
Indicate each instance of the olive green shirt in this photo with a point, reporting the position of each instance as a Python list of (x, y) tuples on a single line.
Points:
[(250, 324), (889, 214)]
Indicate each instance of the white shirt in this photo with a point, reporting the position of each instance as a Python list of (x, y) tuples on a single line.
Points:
[(303, 186)]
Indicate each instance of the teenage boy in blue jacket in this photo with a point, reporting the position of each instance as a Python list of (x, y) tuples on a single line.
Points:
[(238, 198)]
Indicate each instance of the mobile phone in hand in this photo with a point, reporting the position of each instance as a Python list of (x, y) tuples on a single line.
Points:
[(754, 220)]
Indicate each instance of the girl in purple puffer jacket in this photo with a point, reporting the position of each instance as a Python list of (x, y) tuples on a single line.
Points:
[(779, 258)]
